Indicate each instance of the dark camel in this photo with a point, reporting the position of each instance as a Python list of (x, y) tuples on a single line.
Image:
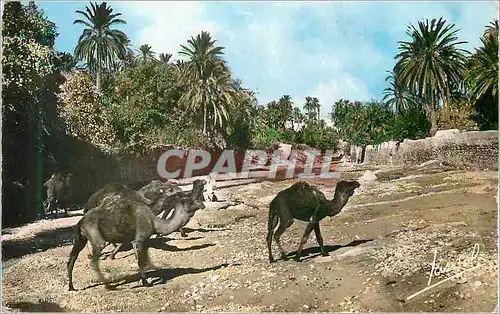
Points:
[(306, 203)]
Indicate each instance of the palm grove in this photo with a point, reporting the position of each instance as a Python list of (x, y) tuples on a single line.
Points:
[(115, 99)]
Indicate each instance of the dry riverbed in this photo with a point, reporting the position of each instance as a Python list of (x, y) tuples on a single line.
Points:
[(381, 250)]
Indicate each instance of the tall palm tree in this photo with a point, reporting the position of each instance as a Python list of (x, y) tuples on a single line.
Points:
[(397, 95), (99, 43), (165, 57), (146, 54), (298, 117), (207, 80), (431, 62), (316, 106), (308, 107), (312, 107)]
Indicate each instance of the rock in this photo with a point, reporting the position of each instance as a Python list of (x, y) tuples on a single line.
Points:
[(306, 307), (367, 178), (478, 284), (446, 133), (352, 252), (323, 259), (431, 163), (457, 224)]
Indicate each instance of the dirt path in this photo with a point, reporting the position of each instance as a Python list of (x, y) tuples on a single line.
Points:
[(381, 250)]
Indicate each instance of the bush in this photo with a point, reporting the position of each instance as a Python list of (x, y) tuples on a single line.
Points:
[(363, 123), (83, 113), (456, 115), (411, 123), (316, 134)]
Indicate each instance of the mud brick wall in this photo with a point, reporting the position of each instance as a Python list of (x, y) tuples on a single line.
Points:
[(464, 150)]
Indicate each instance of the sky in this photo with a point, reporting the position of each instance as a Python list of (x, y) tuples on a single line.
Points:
[(329, 50)]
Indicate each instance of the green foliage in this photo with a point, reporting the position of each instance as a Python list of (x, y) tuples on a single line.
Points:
[(486, 113), (312, 107), (431, 63), (262, 136), (280, 112), (242, 121), (457, 115), (397, 95), (316, 134), (483, 72), (411, 123), (100, 45), (27, 90), (146, 54), (27, 44), (483, 77), (363, 124), (141, 100), (81, 109), (206, 81)]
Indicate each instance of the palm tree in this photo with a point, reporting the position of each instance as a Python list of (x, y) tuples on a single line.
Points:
[(431, 62), (146, 54), (207, 80), (64, 61), (99, 44), (165, 57), (308, 107), (286, 106), (316, 105), (397, 95), (298, 117), (491, 30), (312, 107), (483, 73)]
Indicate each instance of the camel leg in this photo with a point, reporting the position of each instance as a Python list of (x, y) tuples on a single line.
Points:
[(116, 250), (97, 243), (282, 226), (96, 253), (136, 250), (271, 225), (303, 240), (142, 260), (183, 233), (80, 243), (48, 209), (319, 238), (56, 208), (45, 207)]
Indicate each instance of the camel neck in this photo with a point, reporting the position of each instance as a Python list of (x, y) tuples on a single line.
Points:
[(336, 205), (167, 226)]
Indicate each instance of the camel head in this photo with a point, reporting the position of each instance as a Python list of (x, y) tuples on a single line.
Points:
[(169, 189), (345, 189)]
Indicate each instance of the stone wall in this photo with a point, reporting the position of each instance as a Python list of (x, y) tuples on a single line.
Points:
[(471, 150)]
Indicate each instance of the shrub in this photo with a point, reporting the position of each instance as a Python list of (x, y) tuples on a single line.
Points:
[(457, 115), (82, 111)]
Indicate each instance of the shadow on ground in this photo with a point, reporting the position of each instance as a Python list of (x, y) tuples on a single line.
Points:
[(40, 242), (161, 276), (189, 230), (328, 248), (37, 307), (160, 243)]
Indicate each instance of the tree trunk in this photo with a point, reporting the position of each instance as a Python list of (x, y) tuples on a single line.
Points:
[(98, 79), (433, 118)]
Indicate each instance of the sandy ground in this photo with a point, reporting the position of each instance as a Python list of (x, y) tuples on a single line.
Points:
[(381, 248)]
